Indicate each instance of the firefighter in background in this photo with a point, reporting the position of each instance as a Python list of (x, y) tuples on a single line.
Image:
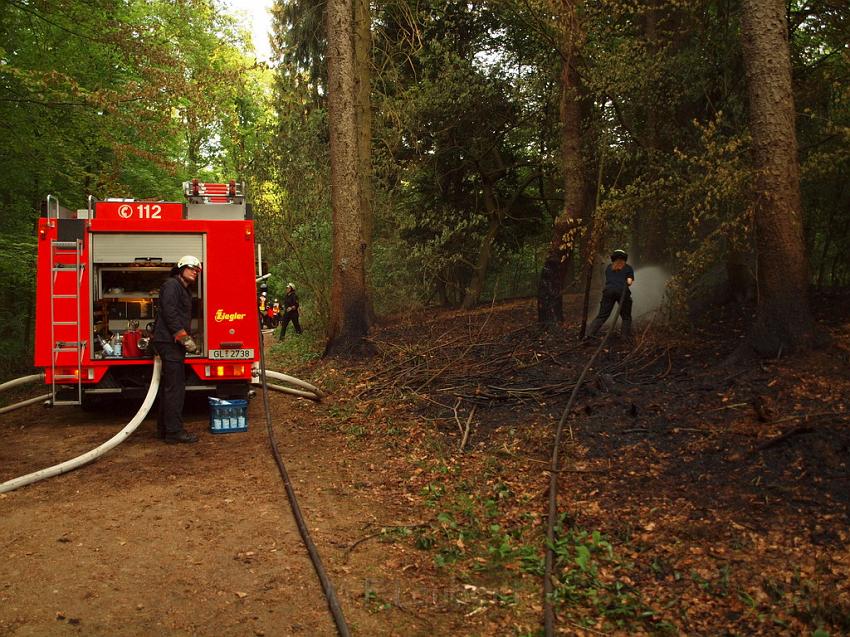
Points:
[(262, 306), (275, 313), (271, 316), (619, 276), (172, 341), (290, 311)]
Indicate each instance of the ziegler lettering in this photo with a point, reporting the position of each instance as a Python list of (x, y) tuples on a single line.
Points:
[(222, 316)]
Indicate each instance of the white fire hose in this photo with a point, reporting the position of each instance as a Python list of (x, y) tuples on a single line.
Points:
[(23, 380), (24, 403), (117, 439), (312, 392)]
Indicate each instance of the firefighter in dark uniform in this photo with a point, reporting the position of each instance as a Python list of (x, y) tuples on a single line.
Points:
[(619, 275), (290, 311), (172, 341)]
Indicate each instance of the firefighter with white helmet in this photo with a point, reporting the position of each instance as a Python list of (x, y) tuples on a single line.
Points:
[(172, 340), (262, 307)]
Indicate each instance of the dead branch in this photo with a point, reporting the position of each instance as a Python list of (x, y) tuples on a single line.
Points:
[(383, 531), (466, 430), (778, 440)]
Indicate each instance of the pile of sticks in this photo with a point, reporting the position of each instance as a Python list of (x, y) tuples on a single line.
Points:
[(479, 366)]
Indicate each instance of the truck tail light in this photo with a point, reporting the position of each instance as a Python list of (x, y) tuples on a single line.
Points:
[(237, 371)]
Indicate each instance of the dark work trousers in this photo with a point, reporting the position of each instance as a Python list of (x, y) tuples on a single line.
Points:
[(610, 296), (290, 316), (172, 391)]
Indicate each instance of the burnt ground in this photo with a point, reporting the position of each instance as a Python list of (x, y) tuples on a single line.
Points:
[(701, 493)]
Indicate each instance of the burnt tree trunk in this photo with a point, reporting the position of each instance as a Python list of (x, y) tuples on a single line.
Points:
[(349, 319), (550, 303), (783, 319)]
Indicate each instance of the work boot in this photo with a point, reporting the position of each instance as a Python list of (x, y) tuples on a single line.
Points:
[(594, 328), (181, 437)]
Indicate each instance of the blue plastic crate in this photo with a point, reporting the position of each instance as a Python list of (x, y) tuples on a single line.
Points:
[(228, 416)]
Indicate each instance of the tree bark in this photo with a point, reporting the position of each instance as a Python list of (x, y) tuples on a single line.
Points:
[(363, 93), (550, 304), (349, 302), (783, 319)]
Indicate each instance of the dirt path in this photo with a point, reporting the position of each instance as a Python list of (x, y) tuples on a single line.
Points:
[(188, 539)]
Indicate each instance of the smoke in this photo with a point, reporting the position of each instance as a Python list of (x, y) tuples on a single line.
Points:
[(648, 291)]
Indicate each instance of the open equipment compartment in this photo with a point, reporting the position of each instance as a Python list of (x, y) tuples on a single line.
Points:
[(125, 285)]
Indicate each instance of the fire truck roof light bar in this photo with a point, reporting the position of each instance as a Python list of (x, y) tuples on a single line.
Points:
[(210, 192)]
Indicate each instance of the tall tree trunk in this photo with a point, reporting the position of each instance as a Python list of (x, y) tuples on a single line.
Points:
[(363, 93), (349, 320), (783, 319), (550, 304)]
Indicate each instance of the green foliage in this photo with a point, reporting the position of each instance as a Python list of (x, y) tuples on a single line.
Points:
[(457, 150), (112, 99), (465, 108), (291, 195), (589, 576), (17, 310), (132, 98), (296, 349), (477, 533)]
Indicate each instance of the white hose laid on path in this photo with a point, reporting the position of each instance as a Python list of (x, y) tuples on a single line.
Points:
[(117, 439), (295, 381), (23, 380), (24, 403), (289, 390)]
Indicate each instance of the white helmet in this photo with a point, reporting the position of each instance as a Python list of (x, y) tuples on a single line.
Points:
[(190, 262), (291, 285)]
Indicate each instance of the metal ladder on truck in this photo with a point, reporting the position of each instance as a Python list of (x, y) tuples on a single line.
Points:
[(66, 276)]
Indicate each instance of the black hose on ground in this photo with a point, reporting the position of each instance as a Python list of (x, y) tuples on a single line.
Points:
[(327, 586), (548, 608)]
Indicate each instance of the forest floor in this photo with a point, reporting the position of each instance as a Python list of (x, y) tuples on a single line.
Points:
[(698, 495)]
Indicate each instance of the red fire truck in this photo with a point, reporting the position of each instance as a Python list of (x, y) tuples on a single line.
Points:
[(98, 277)]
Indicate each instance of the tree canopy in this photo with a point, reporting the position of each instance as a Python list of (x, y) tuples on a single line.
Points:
[(466, 170)]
